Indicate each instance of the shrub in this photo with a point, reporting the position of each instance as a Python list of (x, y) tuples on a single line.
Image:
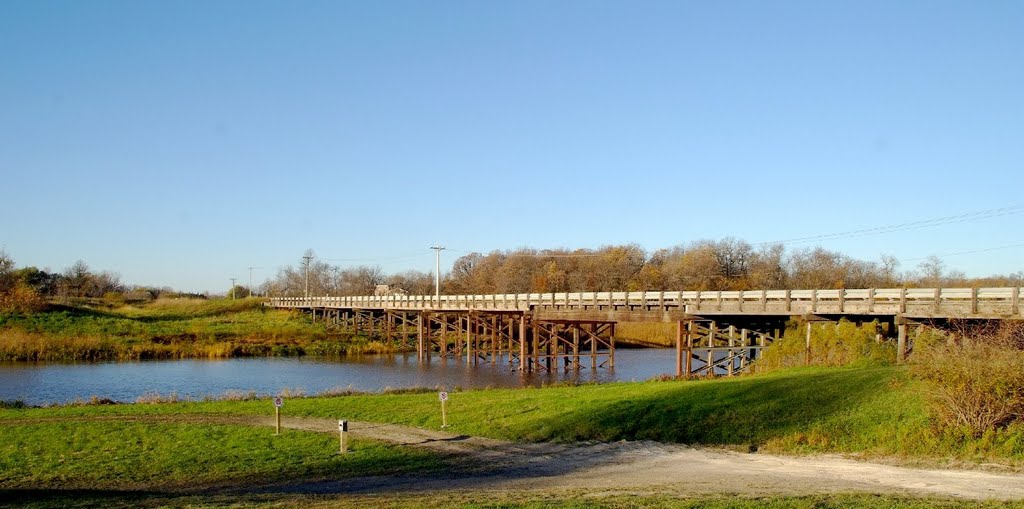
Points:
[(974, 385), (832, 344)]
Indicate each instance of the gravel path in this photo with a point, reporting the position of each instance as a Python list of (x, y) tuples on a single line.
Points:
[(619, 467)]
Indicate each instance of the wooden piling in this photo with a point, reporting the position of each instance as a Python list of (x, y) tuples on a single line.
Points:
[(901, 342), (689, 348), (679, 349), (807, 349)]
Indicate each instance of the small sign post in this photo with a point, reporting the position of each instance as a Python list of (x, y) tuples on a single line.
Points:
[(443, 396), (342, 431), (278, 403)]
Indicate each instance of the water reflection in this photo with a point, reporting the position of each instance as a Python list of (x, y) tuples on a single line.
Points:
[(59, 383)]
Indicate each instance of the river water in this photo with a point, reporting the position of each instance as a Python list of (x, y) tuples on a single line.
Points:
[(39, 384)]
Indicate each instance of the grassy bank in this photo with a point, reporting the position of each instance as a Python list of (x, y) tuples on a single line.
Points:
[(873, 412), (169, 329), (112, 456)]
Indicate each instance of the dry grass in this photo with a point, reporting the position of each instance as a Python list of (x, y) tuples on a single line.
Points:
[(976, 382), (646, 333)]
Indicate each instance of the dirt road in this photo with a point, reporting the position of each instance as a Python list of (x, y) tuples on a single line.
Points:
[(649, 467)]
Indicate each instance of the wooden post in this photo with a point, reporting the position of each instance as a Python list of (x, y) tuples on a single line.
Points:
[(807, 349), (494, 339), (420, 339), (689, 348), (732, 342), (711, 344), (470, 334), (747, 351), (901, 341), (342, 431), (679, 348), (277, 417), (522, 344), (1015, 301), (611, 352), (576, 347), (535, 361), (593, 346), (974, 301)]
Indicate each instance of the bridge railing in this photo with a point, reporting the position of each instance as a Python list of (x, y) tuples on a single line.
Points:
[(888, 301)]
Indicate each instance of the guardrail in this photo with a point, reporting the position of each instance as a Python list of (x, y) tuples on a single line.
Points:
[(925, 302)]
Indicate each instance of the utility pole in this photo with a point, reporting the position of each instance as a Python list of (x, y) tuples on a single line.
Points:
[(233, 287), (437, 272), (250, 280), (307, 258)]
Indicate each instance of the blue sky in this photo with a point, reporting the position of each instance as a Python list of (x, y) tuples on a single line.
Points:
[(179, 143)]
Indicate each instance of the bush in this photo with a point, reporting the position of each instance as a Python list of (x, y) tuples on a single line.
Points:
[(838, 344), (974, 385)]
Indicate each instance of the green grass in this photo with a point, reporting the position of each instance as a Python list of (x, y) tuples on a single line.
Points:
[(170, 329), (160, 456), (72, 456), (491, 500), (874, 412)]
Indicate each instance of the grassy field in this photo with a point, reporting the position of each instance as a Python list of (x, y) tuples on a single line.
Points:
[(109, 456), (112, 455), (169, 329), (869, 411)]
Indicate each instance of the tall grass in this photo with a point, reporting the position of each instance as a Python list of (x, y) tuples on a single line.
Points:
[(651, 334), (171, 329)]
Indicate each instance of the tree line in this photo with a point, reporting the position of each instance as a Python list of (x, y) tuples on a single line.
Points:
[(726, 264), (31, 288)]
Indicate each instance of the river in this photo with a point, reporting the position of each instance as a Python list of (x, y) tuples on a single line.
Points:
[(39, 384)]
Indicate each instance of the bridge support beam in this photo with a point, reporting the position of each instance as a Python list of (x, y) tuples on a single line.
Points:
[(901, 341)]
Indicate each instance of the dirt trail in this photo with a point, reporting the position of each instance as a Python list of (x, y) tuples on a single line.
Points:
[(625, 467), (622, 467)]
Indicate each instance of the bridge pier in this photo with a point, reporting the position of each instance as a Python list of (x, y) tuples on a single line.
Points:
[(732, 351)]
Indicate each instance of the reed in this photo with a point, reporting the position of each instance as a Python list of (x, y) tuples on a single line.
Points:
[(171, 329)]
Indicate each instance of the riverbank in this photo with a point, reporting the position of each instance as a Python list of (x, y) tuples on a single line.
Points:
[(500, 445), (869, 412), (171, 329)]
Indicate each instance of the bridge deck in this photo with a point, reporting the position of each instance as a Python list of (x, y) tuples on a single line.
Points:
[(911, 303)]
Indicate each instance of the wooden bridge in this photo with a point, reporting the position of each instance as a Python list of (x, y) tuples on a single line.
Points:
[(725, 331)]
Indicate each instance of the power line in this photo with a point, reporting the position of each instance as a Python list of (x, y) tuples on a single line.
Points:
[(407, 256), (537, 255), (913, 225), (975, 251)]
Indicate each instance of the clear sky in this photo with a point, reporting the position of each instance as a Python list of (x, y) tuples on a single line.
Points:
[(179, 143)]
